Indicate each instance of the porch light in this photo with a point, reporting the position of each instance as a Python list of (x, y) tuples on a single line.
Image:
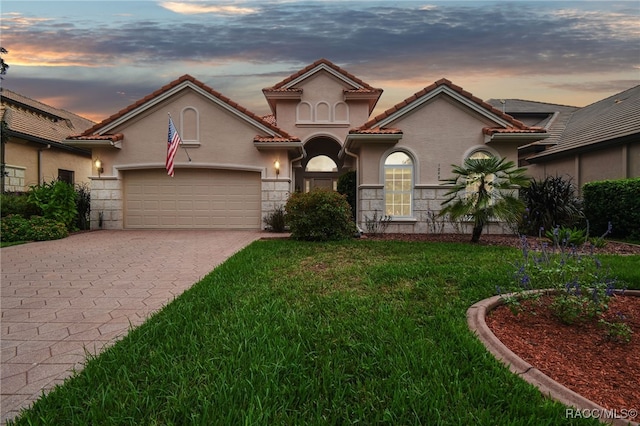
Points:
[(276, 164), (99, 167)]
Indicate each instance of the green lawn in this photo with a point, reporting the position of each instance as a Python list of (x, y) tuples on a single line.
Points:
[(289, 332)]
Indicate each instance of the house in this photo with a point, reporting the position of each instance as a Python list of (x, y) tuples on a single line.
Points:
[(597, 142), (236, 167), (34, 152)]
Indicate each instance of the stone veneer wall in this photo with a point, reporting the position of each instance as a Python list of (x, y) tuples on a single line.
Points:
[(14, 178), (106, 201), (426, 206), (275, 193)]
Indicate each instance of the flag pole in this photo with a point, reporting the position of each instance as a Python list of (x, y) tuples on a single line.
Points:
[(181, 143)]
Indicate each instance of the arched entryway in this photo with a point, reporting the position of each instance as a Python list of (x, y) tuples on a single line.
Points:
[(321, 168)]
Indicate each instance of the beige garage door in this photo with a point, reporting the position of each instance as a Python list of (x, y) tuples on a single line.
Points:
[(197, 198)]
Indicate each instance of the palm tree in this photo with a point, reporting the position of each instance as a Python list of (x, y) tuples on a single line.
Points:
[(485, 188)]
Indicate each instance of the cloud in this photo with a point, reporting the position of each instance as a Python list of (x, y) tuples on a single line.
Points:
[(393, 44), (201, 8)]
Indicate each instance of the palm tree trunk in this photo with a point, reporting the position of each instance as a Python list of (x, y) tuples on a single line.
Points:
[(475, 236)]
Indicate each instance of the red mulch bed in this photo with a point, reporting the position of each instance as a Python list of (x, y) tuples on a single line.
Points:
[(580, 357)]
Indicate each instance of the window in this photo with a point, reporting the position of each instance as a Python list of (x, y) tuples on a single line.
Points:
[(321, 163), (398, 184), (66, 176)]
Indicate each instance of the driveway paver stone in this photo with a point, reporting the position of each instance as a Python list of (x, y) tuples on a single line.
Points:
[(61, 299)]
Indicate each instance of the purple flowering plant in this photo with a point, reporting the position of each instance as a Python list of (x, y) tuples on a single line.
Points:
[(575, 279)]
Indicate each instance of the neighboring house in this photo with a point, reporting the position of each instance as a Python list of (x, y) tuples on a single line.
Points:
[(238, 167), (33, 153), (597, 142)]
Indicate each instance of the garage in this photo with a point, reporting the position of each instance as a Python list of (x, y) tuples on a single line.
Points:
[(193, 198)]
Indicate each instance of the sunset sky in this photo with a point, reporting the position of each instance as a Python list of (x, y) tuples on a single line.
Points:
[(95, 57)]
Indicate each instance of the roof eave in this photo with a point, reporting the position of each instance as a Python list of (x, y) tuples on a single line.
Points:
[(517, 137), (93, 143)]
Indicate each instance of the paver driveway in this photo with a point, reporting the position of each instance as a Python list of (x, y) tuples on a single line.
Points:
[(62, 298)]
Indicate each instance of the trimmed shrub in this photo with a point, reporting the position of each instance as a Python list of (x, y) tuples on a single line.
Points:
[(319, 215), (615, 201), (19, 204), (550, 203), (43, 229), (347, 186), (13, 228), (37, 228)]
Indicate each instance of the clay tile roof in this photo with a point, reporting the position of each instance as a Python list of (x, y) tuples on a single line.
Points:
[(106, 137), (260, 138), (493, 130), (314, 65), (270, 119), (516, 124), (376, 131), (173, 84)]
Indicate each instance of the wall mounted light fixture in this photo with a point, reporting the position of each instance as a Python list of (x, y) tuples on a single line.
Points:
[(99, 167), (276, 164)]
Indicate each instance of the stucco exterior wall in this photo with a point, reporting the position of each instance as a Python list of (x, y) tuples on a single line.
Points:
[(326, 91), (25, 155), (615, 162), (437, 135)]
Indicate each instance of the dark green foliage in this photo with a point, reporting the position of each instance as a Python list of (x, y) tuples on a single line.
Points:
[(615, 201), (18, 204), (83, 205), (319, 215), (57, 200), (37, 228), (567, 236), (484, 188), (13, 228), (347, 185), (43, 229), (275, 220), (550, 202)]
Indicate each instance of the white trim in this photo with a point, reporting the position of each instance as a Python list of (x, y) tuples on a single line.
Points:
[(469, 152), (195, 141), (326, 68), (432, 94), (164, 96)]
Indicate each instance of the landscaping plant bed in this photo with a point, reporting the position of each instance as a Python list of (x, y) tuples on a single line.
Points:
[(578, 356), (612, 247)]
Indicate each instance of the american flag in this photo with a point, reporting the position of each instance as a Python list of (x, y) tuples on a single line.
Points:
[(173, 141)]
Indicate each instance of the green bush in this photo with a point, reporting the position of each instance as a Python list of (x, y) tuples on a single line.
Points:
[(275, 221), (19, 204), (13, 228), (43, 229), (37, 228), (57, 200), (83, 205), (347, 185), (550, 203), (319, 215), (615, 201)]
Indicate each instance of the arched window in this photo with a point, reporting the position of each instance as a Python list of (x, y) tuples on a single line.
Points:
[(398, 184), (321, 163)]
